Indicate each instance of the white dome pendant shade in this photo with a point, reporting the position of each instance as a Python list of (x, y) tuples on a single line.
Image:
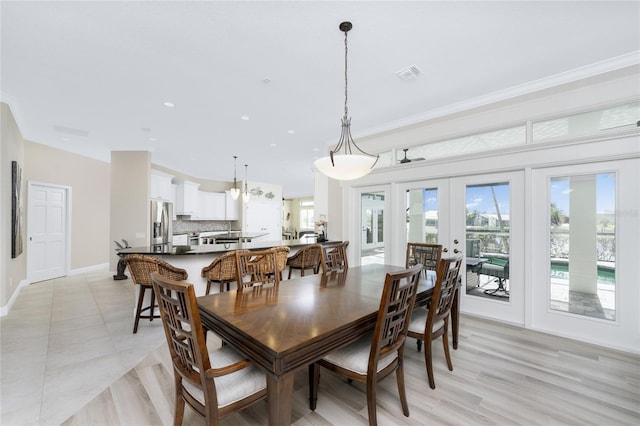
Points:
[(346, 165), (235, 193)]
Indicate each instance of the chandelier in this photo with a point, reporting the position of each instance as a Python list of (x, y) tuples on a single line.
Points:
[(346, 165), (245, 194), (235, 191)]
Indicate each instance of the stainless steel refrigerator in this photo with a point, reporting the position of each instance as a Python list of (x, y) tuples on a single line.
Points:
[(161, 222)]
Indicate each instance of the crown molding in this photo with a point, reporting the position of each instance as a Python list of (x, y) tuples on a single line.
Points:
[(576, 74)]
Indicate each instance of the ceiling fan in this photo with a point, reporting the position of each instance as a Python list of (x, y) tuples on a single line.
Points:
[(408, 160)]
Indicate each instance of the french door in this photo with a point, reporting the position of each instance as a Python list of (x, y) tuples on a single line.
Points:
[(481, 218), (585, 250), (372, 220)]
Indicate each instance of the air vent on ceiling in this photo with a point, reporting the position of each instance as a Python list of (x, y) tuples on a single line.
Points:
[(409, 73)]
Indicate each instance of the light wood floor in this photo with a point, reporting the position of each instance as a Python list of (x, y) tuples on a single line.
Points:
[(503, 375)]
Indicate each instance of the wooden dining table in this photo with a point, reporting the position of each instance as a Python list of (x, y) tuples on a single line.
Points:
[(300, 321)]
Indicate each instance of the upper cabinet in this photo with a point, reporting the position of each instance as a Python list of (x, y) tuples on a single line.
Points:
[(231, 207), (212, 206), (161, 186), (187, 198)]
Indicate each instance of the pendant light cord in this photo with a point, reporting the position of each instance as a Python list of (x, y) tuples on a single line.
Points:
[(346, 80)]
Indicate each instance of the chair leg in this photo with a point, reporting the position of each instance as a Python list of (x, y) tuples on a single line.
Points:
[(152, 308), (289, 273), (401, 390), (208, 287), (371, 400), (419, 344), (180, 403), (427, 361), (138, 309), (445, 344), (314, 382)]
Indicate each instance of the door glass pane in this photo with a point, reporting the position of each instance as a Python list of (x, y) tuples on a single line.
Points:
[(372, 228), (422, 215), (487, 240), (368, 224), (582, 242)]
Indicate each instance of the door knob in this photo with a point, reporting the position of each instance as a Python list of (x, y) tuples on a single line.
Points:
[(445, 249), (456, 251), (455, 241)]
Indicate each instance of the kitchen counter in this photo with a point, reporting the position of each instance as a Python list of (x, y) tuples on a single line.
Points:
[(194, 258), (207, 249), (227, 237)]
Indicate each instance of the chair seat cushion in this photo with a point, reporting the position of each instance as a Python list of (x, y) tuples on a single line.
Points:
[(419, 321), (232, 387), (355, 356)]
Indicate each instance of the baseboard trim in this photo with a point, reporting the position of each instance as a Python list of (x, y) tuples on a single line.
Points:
[(92, 268), (4, 310)]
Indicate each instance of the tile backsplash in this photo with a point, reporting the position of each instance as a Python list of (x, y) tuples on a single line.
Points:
[(186, 226)]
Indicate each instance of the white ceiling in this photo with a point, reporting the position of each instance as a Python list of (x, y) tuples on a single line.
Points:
[(91, 77)]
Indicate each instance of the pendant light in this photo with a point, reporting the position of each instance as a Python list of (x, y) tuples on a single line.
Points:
[(347, 165), (235, 191), (245, 194)]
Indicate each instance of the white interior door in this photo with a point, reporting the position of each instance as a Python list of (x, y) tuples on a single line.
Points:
[(585, 250), (47, 240)]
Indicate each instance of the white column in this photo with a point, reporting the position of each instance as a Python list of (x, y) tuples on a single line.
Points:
[(583, 262)]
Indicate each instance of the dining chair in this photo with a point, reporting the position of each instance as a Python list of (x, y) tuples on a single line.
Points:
[(141, 266), (221, 270), (334, 257), (429, 324), (427, 254), (308, 257), (282, 254), (256, 267), (379, 353), (214, 383)]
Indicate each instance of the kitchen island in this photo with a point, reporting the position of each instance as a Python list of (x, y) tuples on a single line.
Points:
[(194, 258)]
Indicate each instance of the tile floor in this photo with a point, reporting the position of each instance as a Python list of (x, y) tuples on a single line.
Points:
[(64, 341)]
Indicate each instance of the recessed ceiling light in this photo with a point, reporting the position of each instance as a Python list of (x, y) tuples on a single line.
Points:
[(291, 131), (65, 139), (168, 104), (244, 117), (152, 139), (316, 149), (273, 144)]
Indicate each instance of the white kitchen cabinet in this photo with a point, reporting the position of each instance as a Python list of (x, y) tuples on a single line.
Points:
[(161, 185), (212, 206), (265, 217), (187, 199), (231, 207), (174, 191)]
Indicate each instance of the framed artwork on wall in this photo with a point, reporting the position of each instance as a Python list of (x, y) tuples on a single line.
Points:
[(16, 210)]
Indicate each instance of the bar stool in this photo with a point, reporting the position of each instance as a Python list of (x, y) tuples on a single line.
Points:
[(141, 266)]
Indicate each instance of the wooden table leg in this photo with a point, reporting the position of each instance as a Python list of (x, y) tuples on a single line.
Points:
[(455, 317), (280, 399)]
